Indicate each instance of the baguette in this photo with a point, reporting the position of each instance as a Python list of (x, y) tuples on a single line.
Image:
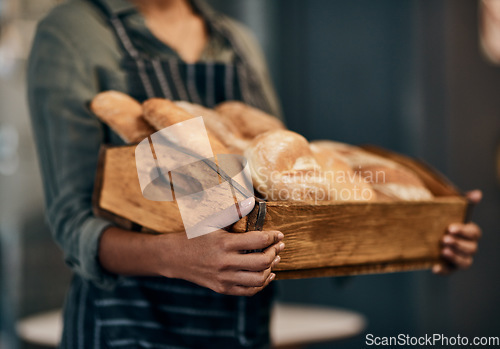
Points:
[(123, 114), (163, 113)]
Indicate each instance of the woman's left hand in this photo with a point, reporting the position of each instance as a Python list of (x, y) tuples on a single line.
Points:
[(459, 244)]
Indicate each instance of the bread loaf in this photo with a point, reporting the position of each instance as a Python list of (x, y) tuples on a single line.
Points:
[(123, 114), (250, 121), (330, 159), (223, 128), (162, 113), (390, 180), (284, 168)]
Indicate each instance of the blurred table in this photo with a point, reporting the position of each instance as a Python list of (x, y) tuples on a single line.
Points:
[(43, 329), (292, 326)]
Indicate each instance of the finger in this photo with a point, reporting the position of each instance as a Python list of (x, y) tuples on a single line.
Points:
[(474, 196), (258, 261), (246, 206), (251, 278), (253, 240), (442, 268), (457, 260), (461, 246), (275, 262), (238, 290), (470, 231)]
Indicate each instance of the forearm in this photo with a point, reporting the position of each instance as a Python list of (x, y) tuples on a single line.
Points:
[(129, 253), (212, 260)]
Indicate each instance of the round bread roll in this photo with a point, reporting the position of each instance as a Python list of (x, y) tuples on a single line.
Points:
[(390, 180), (162, 113), (224, 128), (123, 114), (250, 121), (337, 166), (284, 168)]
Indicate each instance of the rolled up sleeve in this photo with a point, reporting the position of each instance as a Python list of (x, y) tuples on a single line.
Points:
[(68, 137)]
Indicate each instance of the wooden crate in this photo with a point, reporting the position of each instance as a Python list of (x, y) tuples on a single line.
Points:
[(324, 239)]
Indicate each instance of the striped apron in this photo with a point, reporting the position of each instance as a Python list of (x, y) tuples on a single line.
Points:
[(155, 312)]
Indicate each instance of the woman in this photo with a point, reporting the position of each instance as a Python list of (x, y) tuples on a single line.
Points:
[(152, 291)]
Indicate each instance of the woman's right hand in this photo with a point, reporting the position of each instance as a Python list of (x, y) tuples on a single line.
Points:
[(217, 260)]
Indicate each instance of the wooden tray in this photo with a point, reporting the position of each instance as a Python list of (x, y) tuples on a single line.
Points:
[(325, 239)]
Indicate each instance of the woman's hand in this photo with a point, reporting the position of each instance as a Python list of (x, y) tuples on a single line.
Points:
[(217, 260), (460, 243)]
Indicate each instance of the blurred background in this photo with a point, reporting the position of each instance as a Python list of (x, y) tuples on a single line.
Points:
[(408, 75)]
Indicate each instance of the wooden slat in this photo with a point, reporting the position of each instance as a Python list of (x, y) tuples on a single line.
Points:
[(357, 269), (346, 234)]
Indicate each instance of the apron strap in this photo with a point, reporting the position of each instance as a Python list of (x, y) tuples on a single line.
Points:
[(251, 88), (133, 53), (103, 7), (124, 38)]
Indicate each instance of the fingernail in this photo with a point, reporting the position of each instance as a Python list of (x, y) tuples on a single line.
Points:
[(436, 268), (282, 246), (453, 228), (280, 236), (247, 202), (276, 260), (448, 252), (272, 276), (475, 195), (448, 239)]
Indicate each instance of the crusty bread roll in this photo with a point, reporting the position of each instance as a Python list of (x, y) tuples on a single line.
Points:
[(250, 121), (224, 128), (123, 114), (162, 113), (390, 180), (330, 159), (337, 166), (284, 168), (354, 156)]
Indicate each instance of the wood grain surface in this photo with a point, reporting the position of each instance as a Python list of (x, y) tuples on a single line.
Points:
[(120, 195), (318, 236)]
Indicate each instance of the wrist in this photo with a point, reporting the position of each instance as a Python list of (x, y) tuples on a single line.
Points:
[(160, 250), (130, 253), (166, 251)]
